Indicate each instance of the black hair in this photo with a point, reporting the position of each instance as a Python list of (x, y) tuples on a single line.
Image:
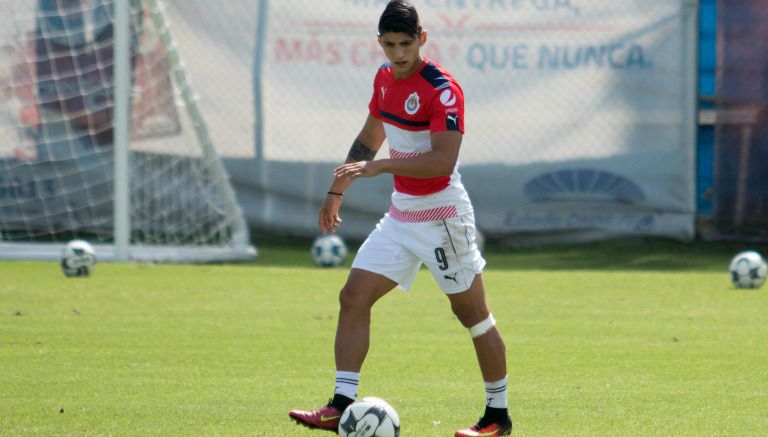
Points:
[(400, 16)]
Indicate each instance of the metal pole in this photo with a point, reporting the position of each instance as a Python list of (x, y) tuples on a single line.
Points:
[(122, 114), (258, 78)]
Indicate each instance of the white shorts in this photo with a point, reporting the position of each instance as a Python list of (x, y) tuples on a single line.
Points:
[(447, 247)]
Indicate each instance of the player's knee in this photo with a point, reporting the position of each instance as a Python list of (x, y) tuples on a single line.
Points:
[(353, 298), (461, 315), (468, 315)]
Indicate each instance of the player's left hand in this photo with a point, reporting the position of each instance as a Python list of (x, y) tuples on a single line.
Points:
[(353, 170), (328, 217)]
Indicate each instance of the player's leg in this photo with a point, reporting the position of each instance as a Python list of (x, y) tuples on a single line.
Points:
[(456, 264), (381, 264), (472, 311), (361, 291)]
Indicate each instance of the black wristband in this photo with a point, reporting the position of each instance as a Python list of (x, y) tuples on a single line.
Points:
[(336, 194)]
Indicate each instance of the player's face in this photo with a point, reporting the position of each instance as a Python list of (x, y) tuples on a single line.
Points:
[(402, 50)]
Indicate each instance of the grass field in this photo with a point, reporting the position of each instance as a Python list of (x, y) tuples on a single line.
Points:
[(613, 339)]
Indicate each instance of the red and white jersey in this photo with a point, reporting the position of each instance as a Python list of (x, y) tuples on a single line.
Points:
[(428, 101)]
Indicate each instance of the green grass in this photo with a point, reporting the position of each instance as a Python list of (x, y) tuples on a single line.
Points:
[(633, 339)]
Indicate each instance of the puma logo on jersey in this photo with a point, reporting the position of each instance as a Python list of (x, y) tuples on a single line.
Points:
[(452, 278), (452, 122)]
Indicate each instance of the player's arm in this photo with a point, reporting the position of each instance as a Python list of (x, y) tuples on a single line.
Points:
[(440, 161), (368, 141), (363, 149)]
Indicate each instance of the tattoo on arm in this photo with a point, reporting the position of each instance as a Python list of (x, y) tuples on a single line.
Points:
[(360, 152)]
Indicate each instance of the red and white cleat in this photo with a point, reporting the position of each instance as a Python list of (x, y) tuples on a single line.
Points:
[(326, 418), (485, 428)]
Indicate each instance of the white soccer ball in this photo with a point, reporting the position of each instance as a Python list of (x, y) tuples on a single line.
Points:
[(329, 250), (748, 270), (369, 417), (78, 258)]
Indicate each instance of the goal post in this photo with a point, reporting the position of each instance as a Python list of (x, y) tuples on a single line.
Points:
[(165, 198), (122, 115)]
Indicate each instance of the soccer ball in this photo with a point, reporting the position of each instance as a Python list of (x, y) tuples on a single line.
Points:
[(78, 258), (748, 270), (329, 250), (369, 417)]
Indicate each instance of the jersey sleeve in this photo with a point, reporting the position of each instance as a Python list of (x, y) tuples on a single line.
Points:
[(373, 105), (447, 109)]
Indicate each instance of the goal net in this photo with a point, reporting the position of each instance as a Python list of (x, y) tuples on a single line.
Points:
[(57, 164)]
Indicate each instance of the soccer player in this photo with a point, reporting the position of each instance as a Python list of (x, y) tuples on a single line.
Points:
[(419, 108)]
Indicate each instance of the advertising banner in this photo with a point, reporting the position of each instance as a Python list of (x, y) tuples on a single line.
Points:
[(579, 114)]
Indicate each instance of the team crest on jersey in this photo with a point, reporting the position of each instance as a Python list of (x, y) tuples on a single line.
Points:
[(412, 104)]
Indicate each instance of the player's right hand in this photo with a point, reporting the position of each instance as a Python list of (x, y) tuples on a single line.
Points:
[(328, 218)]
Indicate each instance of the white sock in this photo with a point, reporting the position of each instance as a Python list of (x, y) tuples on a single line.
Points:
[(346, 383), (496, 393)]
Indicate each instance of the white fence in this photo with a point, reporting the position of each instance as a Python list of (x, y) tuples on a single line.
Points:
[(580, 115)]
